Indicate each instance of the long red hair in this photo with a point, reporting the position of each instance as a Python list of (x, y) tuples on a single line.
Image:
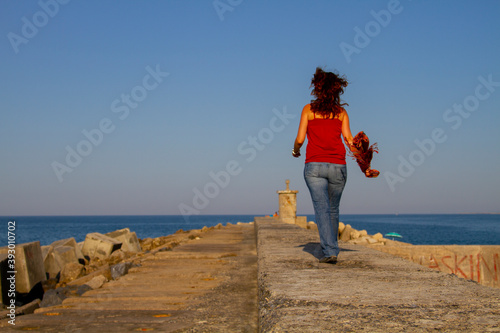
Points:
[(327, 88)]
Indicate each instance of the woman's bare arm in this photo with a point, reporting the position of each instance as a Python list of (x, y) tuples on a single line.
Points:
[(301, 134), (346, 128)]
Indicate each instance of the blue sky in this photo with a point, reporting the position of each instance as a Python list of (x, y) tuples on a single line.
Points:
[(170, 107)]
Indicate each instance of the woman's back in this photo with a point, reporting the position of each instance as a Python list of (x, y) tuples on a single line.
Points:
[(324, 140)]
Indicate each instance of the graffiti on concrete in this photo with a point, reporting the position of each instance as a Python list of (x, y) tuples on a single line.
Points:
[(474, 267)]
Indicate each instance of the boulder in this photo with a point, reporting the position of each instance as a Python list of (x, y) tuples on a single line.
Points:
[(120, 269), (355, 234), (96, 282), (71, 271), (52, 297), (358, 241), (104, 271), (56, 296), (118, 256), (95, 263), (29, 266), (346, 233), (65, 255), (51, 263), (364, 240), (72, 243), (56, 256), (46, 249), (129, 240), (147, 244), (99, 245), (341, 227), (158, 242), (82, 289), (371, 240)]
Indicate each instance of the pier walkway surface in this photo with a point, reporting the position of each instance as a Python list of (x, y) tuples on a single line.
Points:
[(266, 277)]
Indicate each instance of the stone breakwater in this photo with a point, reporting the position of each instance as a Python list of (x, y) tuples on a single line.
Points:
[(479, 263), (359, 237), (46, 275)]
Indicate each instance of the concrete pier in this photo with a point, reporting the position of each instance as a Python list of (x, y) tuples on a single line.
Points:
[(366, 291), (206, 284), (265, 277)]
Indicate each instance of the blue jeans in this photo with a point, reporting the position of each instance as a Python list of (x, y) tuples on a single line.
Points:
[(326, 182)]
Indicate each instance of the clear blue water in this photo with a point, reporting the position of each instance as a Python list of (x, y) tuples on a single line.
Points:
[(460, 229)]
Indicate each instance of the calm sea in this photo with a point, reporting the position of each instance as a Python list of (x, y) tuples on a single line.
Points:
[(463, 229)]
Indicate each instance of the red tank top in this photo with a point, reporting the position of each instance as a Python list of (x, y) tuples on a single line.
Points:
[(323, 141)]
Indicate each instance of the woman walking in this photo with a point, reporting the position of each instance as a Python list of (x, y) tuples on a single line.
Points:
[(323, 121)]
